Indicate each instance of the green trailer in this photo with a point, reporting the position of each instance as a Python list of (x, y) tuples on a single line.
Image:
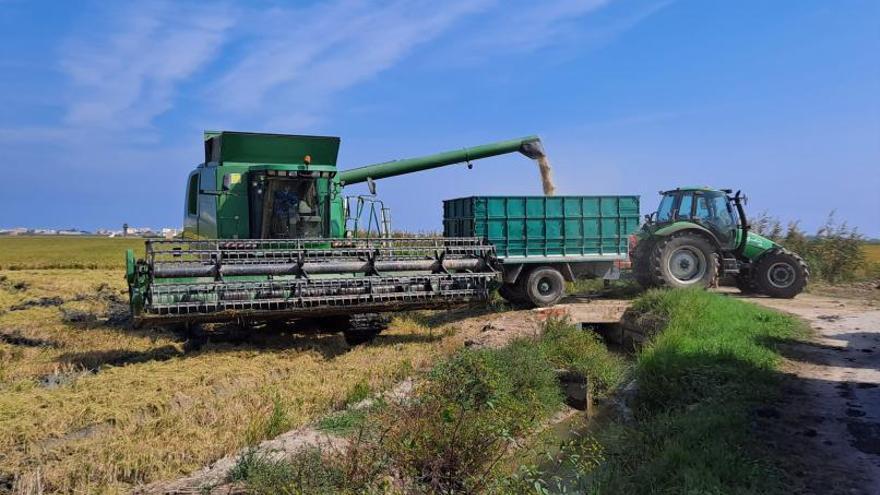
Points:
[(542, 241)]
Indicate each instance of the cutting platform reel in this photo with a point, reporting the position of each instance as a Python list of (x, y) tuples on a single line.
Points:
[(258, 280)]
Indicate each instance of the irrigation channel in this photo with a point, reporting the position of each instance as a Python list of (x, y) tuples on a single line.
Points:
[(546, 451)]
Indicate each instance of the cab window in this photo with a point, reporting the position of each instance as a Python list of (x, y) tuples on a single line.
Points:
[(664, 212), (702, 211), (685, 205), (192, 195)]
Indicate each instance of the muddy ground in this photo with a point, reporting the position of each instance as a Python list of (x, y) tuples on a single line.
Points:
[(827, 422)]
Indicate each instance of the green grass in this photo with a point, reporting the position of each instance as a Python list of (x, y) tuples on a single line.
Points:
[(699, 382), (54, 252), (343, 422), (306, 473), (453, 433)]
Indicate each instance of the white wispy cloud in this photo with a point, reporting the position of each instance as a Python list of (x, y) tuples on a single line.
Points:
[(281, 67), (301, 57), (529, 26), (126, 76)]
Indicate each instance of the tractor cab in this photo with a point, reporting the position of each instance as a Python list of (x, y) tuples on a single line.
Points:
[(713, 209)]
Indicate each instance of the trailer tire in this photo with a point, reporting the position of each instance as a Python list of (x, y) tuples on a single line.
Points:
[(781, 274), (544, 286)]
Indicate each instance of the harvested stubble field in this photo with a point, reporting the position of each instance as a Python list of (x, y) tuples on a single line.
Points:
[(90, 405)]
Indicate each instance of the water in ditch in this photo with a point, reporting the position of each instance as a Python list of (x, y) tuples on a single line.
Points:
[(558, 458)]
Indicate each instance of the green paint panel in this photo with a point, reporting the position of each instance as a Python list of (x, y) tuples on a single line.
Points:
[(247, 147), (542, 226)]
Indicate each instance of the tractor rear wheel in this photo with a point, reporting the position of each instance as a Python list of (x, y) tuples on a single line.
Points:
[(683, 260), (544, 286), (781, 273)]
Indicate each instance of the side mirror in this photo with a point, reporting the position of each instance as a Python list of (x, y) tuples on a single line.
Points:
[(371, 185)]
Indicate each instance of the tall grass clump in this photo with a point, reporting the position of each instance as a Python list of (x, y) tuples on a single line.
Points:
[(463, 418), (698, 383), (306, 473), (835, 253)]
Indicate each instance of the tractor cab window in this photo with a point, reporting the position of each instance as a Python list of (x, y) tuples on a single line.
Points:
[(685, 204), (664, 212), (714, 210)]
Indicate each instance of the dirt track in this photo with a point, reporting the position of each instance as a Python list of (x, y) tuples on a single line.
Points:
[(828, 421)]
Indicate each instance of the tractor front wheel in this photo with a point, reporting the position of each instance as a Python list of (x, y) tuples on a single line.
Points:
[(781, 273), (684, 260)]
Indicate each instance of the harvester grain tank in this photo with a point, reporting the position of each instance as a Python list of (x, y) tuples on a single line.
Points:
[(265, 238)]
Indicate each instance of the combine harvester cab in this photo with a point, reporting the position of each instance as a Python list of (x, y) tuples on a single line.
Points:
[(265, 239)]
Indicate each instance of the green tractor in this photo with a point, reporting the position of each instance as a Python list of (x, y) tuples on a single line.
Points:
[(698, 235)]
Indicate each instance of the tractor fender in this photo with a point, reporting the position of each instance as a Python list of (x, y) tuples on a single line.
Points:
[(688, 226)]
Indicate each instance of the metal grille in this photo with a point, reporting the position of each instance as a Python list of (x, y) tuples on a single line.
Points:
[(205, 280)]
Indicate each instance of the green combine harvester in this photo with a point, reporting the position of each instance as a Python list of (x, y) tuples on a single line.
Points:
[(269, 234), (699, 234)]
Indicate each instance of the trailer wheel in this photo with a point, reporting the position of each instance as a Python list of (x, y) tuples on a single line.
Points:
[(544, 286), (781, 273)]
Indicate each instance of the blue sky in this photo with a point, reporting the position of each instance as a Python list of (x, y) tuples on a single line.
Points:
[(102, 104)]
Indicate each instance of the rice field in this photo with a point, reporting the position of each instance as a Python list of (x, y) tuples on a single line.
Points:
[(38, 252), (872, 252), (90, 405)]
